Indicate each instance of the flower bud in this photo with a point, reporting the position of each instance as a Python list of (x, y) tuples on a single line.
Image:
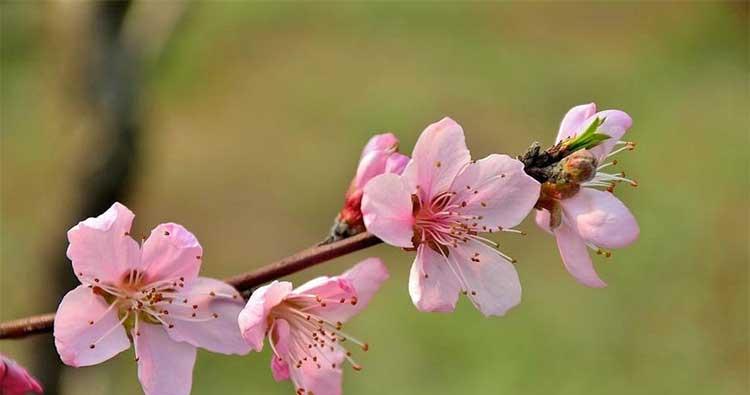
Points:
[(379, 156)]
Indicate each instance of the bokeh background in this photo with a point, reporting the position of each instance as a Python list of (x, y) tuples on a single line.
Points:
[(244, 122)]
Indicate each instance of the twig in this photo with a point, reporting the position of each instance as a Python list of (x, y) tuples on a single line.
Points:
[(243, 282)]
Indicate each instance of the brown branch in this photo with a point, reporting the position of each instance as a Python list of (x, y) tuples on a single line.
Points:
[(23, 327)]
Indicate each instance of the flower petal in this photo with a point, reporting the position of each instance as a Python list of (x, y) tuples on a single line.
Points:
[(322, 377), (207, 298), (253, 319), (616, 123), (371, 165), (542, 220), (380, 142), (396, 163), (432, 285), (324, 380), (497, 190), (15, 380), (365, 277), (171, 252), (439, 155), (319, 372), (100, 247), (572, 122), (74, 332), (492, 282), (576, 257), (376, 160), (601, 218), (348, 294), (165, 367), (280, 337), (387, 209)]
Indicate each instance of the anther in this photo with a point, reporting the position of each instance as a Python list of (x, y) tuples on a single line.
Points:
[(166, 233)]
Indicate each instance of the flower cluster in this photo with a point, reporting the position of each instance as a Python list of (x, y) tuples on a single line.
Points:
[(438, 203)]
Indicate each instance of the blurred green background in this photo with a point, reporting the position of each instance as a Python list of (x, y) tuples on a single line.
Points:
[(252, 118)]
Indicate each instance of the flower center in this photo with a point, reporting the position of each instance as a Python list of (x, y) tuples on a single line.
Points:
[(163, 302), (314, 340)]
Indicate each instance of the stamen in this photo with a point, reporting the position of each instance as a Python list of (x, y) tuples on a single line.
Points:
[(110, 330)]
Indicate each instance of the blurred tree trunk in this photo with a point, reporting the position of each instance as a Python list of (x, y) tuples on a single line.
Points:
[(111, 89)]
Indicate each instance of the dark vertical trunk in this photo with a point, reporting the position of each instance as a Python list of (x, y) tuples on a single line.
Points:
[(111, 88)]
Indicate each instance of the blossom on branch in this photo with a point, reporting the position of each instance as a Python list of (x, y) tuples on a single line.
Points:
[(151, 294), (439, 207), (577, 214), (15, 380), (304, 325)]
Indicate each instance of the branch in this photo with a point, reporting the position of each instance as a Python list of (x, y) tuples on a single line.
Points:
[(23, 327)]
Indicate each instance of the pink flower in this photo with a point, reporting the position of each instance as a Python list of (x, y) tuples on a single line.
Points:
[(440, 205), (379, 156), (15, 380), (151, 293), (590, 217), (304, 325)]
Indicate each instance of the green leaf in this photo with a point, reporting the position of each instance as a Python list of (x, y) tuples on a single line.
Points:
[(590, 138)]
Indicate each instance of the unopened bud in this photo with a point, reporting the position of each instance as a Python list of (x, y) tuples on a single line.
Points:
[(576, 168), (379, 156)]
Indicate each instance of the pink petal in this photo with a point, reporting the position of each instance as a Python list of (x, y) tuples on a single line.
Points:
[(221, 334), (101, 247), (542, 220), (279, 368), (325, 379), (348, 294), (616, 123), (171, 252), (374, 159), (321, 377), (492, 283), (432, 285), (380, 142), (371, 165), (15, 380), (366, 277), (165, 367), (439, 155), (601, 218), (387, 209), (74, 333), (253, 319), (575, 256), (281, 338), (396, 163), (572, 123), (496, 189)]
